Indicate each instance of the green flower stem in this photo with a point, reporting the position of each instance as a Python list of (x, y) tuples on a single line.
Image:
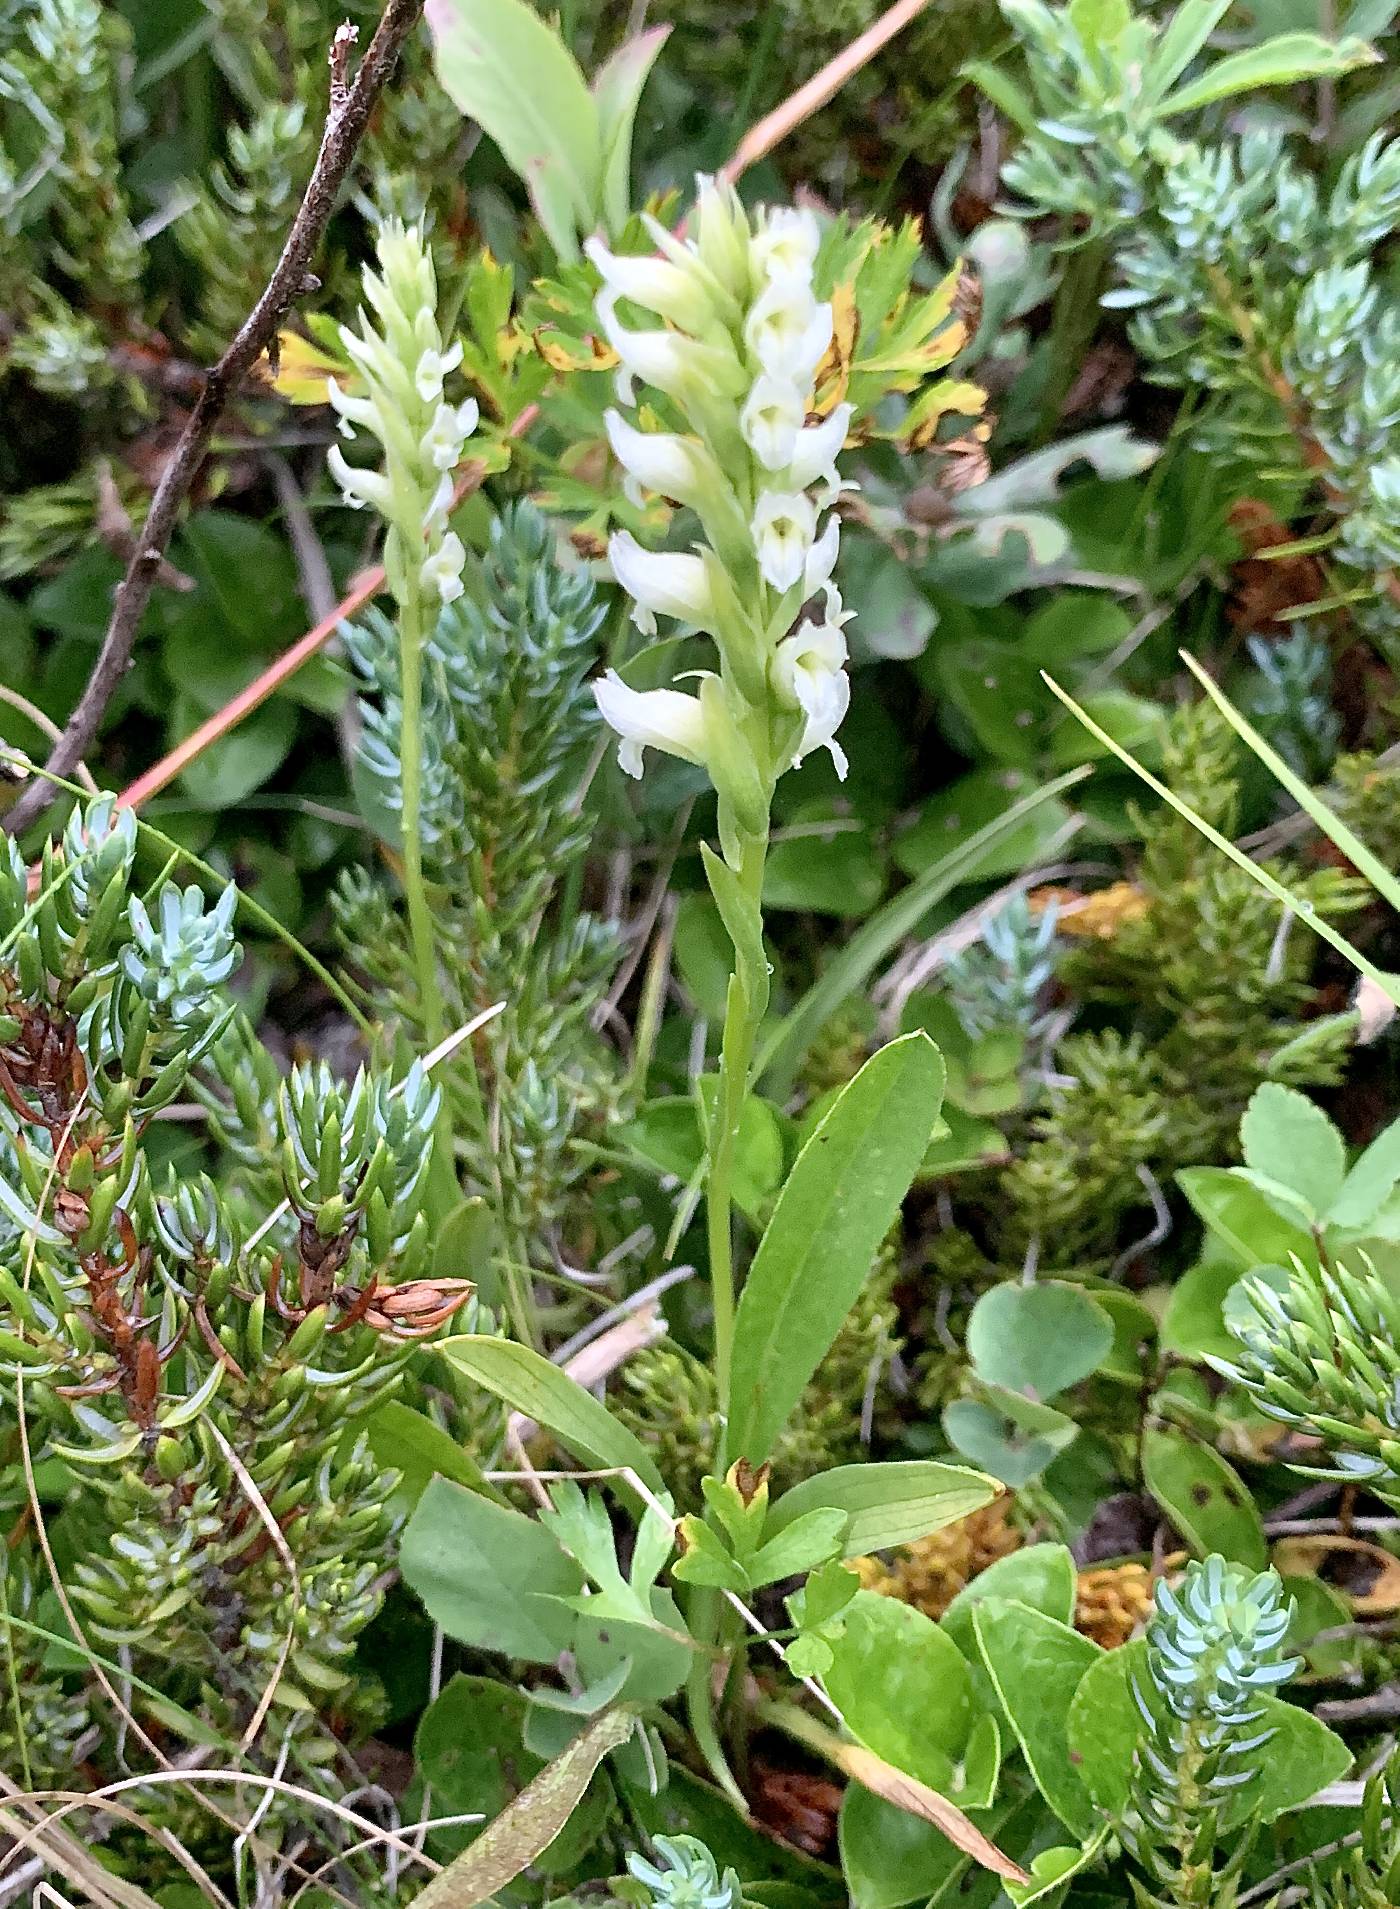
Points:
[(709, 1618), (420, 919), (442, 1188), (743, 1011)]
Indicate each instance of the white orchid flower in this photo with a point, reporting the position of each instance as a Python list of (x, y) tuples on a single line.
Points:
[(786, 243), (360, 487), (788, 331), (682, 367), (442, 568), (351, 410), (650, 719), (784, 526), (673, 287), (809, 671), (817, 449), (662, 461), (433, 367), (662, 583), (452, 425), (771, 421)]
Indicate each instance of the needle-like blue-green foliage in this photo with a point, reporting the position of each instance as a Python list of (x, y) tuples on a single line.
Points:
[(195, 1352), (1317, 1349), (686, 1876), (1214, 1648), (1000, 981), (508, 727), (1248, 276), (1291, 700)]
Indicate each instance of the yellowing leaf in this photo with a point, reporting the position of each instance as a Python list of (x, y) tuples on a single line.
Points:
[(834, 371), (526, 1828), (303, 369), (562, 354), (949, 397)]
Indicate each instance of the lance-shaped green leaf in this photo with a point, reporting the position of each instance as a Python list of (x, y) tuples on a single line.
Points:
[(510, 72), (542, 1391), (837, 1205), (1278, 62), (617, 91), (888, 1503)]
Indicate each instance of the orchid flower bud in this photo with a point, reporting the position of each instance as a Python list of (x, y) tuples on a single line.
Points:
[(661, 461), (359, 487), (683, 368), (663, 719), (722, 237)]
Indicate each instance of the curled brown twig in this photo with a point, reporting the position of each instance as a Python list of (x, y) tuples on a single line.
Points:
[(350, 105)]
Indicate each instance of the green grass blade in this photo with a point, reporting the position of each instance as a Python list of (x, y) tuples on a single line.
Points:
[(780, 1055), (1361, 858), (1389, 984)]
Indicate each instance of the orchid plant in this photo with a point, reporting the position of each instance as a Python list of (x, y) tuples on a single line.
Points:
[(736, 365), (403, 363)]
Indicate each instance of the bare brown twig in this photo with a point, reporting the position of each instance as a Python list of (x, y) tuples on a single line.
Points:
[(351, 103)]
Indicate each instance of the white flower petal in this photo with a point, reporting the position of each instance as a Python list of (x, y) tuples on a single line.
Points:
[(675, 364), (818, 447), (771, 421), (650, 719), (442, 569), (784, 524), (821, 558), (662, 582), (359, 487), (661, 461)]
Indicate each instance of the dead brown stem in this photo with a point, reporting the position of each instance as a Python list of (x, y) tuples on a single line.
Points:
[(347, 117)]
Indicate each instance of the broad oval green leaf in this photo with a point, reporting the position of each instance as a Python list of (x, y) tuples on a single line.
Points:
[(531, 1385), (1241, 1218), (1037, 1340), (837, 1205), (489, 1575), (1203, 1496), (888, 1503), (902, 1687), (1037, 1664), (1288, 1138)]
